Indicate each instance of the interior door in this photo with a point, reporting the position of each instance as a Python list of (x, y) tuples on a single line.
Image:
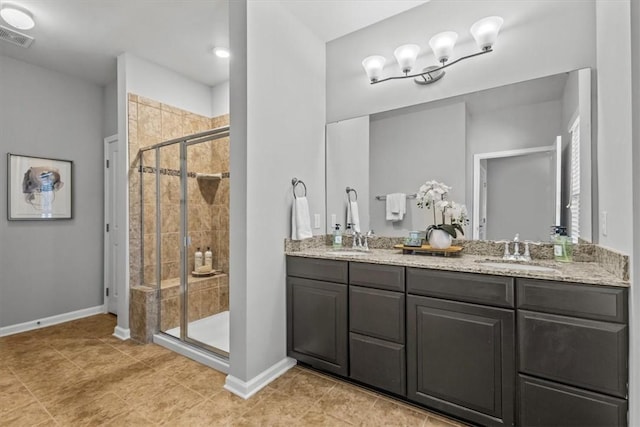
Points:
[(111, 244)]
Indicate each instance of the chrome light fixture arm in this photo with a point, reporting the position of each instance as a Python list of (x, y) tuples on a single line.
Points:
[(421, 78)]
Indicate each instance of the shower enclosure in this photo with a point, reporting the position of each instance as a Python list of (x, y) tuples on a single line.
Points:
[(184, 199)]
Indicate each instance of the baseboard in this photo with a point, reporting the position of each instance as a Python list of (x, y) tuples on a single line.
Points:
[(193, 353), (50, 321), (122, 333), (246, 389)]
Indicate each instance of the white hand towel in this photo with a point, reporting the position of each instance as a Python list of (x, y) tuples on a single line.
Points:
[(300, 219), (396, 206), (354, 216)]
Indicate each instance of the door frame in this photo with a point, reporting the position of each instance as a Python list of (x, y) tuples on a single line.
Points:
[(477, 158), (110, 284)]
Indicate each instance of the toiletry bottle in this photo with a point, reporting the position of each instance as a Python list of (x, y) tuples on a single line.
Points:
[(562, 246), (337, 237), (208, 259), (198, 259)]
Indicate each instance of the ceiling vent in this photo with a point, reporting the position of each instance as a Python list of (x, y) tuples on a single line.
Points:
[(15, 37)]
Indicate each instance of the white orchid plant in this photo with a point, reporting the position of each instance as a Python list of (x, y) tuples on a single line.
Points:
[(433, 195)]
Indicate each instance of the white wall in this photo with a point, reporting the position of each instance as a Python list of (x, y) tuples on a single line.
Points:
[(409, 147), (537, 39), (284, 116), (634, 298), (614, 123), (167, 86), (348, 165), (220, 99), (49, 268), (110, 95)]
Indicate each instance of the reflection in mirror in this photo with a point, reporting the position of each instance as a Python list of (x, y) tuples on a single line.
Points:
[(397, 151)]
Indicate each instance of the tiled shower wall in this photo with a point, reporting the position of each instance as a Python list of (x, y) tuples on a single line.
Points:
[(151, 122)]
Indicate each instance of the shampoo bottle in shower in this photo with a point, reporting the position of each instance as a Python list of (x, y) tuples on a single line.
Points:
[(208, 259), (198, 260)]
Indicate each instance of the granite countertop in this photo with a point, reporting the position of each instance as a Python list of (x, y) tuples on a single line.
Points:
[(580, 272)]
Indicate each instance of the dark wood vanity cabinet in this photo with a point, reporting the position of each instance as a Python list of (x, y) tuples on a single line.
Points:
[(573, 354), (492, 350), (317, 313), (461, 355), (377, 326)]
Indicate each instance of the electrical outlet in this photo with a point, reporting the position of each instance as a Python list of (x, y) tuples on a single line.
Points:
[(604, 223), (316, 220)]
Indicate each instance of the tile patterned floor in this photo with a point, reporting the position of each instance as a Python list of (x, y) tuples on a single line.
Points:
[(77, 374)]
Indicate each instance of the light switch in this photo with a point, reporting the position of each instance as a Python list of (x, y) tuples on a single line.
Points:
[(316, 220)]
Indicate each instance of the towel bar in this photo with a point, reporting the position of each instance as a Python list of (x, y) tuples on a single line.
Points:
[(409, 196)]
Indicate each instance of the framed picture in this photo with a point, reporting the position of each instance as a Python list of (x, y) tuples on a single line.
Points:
[(39, 188)]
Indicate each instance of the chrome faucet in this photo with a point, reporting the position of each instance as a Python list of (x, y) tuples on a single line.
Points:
[(516, 248), (527, 255)]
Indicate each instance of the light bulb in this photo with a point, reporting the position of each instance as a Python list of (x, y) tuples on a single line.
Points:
[(442, 45), (406, 56), (221, 52), (485, 31), (373, 66)]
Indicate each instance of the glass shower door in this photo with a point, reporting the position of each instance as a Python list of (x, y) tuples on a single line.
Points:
[(205, 325)]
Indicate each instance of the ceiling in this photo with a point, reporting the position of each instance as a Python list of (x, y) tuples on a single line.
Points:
[(84, 37)]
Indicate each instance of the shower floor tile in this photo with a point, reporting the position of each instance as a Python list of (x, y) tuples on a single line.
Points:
[(211, 330), (60, 376)]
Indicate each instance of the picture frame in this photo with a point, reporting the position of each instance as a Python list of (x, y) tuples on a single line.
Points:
[(39, 188)]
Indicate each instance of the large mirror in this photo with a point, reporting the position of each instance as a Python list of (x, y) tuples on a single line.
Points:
[(518, 156)]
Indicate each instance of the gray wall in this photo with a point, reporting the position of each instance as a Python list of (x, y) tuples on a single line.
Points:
[(517, 197), (348, 165), (407, 148), (110, 109), (51, 267), (511, 129)]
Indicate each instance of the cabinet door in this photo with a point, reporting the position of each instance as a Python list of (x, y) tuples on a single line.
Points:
[(543, 403), (317, 324), (460, 359)]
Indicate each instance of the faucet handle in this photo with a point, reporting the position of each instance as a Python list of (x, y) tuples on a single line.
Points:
[(527, 254), (517, 237), (506, 254)]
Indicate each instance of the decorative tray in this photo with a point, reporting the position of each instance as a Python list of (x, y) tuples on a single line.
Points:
[(427, 249), (203, 274)]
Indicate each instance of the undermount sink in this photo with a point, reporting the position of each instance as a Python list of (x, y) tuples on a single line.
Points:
[(347, 253), (521, 267)]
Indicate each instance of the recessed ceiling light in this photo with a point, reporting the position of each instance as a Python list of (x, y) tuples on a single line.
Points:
[(221, 52), (17, 17)]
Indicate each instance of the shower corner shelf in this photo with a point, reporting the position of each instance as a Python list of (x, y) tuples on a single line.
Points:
[(209, 176), (204, 274)]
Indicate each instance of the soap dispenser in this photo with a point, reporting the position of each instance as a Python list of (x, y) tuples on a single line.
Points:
[(208, 259), (337, 237), (562, 245), (198, 260)]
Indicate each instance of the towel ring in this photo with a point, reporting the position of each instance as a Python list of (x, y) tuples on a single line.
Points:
[(295, 182), (349, 190)]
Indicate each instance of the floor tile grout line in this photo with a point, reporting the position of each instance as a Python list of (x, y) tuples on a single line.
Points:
[(33, 396)]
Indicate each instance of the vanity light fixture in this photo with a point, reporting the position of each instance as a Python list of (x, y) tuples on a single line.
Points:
[(221, 52), (17, 17), (484, 31)]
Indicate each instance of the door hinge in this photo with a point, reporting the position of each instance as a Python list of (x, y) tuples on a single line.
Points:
[(107, 291), (107, 163), (107, 228)]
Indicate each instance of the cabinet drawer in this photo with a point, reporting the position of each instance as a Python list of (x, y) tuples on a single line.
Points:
[(377, 313), (318, 269), (580, 352), (378, 363), (543, 403), (378, 276), (573, 299), (469, 287)]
